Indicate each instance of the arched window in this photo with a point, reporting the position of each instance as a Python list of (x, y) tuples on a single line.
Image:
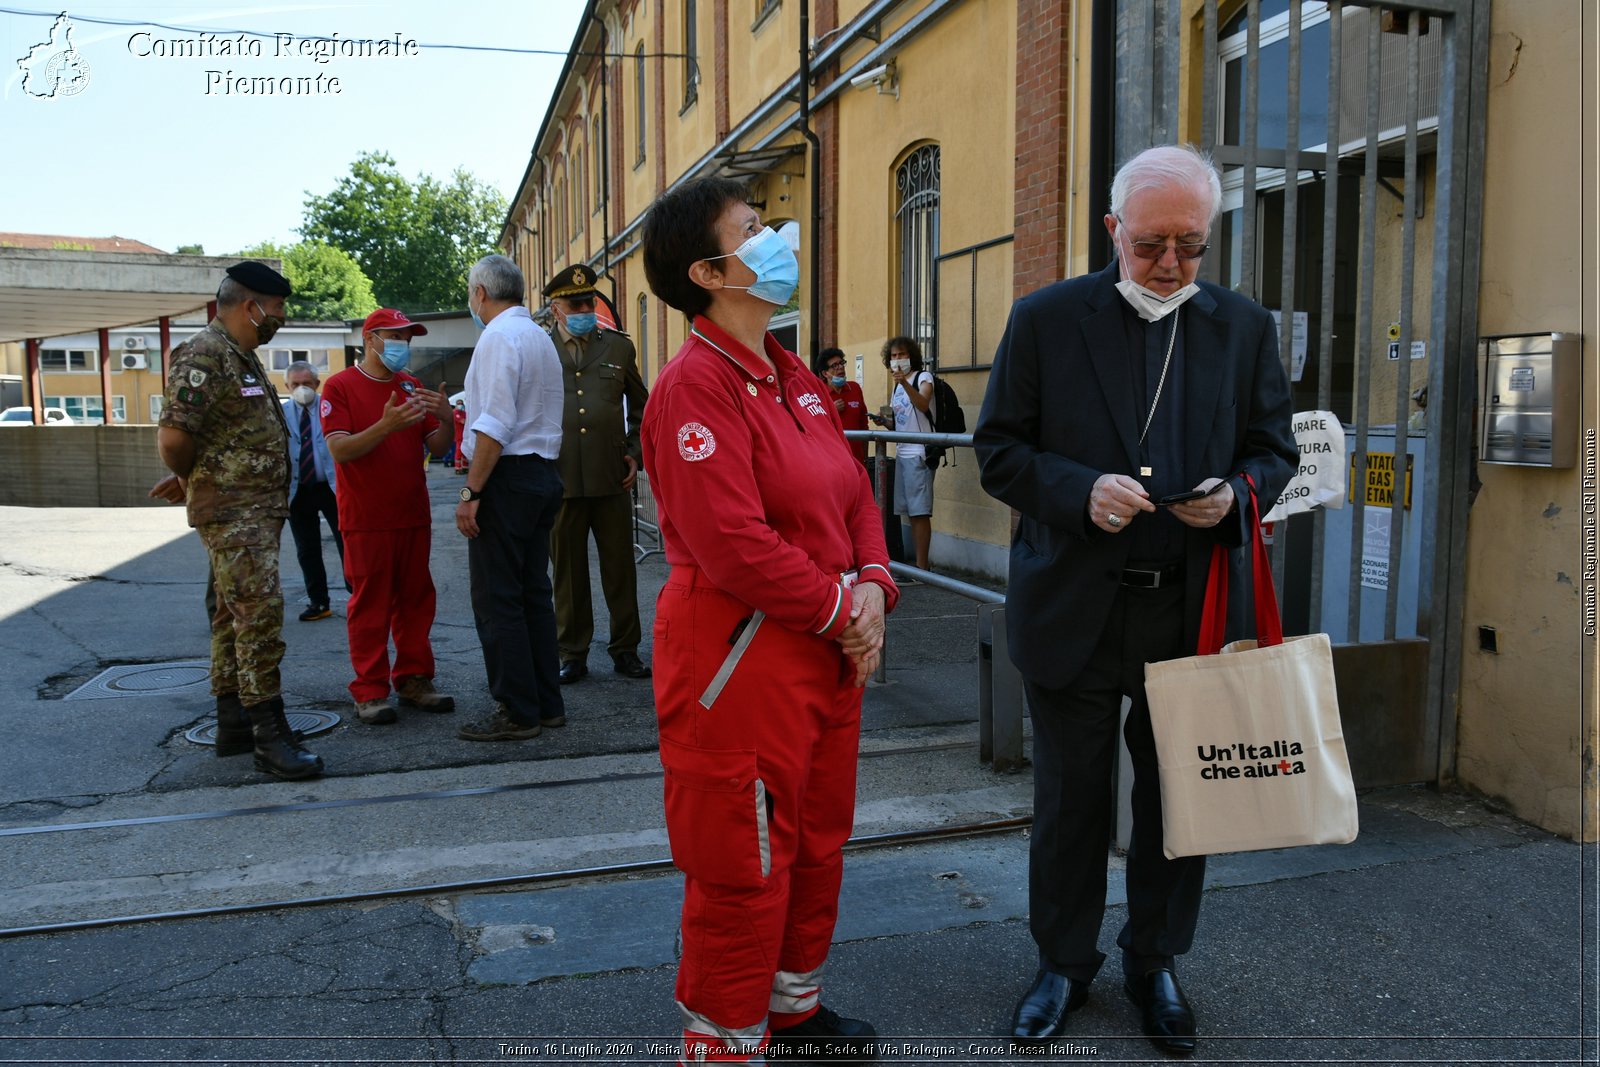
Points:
[(596, 133), (917, 213), (638, 107), (691, 41)]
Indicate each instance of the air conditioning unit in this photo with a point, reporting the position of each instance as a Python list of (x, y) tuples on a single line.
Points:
[(135, 361), (133, 344)]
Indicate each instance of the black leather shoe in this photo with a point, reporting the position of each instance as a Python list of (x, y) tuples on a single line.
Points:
[(573, 670), (1042, 1012), (825, 1035), (629, 665), (1168, 1019)]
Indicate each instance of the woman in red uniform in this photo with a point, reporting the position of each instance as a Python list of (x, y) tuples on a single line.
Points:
[(769, 624), (846, 396)]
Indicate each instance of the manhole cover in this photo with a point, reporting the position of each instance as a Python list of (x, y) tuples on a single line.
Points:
[(146, 679), (309, 723)]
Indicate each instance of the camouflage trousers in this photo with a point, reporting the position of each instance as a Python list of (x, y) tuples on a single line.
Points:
[(247, 627)]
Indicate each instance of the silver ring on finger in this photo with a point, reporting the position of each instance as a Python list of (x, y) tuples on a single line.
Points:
[(1114, 519)]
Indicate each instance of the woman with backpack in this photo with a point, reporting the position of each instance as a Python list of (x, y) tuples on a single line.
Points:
[(912, 402)]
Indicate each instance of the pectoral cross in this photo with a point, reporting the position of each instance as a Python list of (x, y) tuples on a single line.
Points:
[(1145, 472)]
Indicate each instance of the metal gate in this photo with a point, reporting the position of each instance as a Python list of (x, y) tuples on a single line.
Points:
[(1350, 138)]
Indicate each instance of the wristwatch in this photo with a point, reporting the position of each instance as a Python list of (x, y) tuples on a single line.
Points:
[(469, 495)]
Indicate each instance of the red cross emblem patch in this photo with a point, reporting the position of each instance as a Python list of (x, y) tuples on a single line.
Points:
[(695, 442)]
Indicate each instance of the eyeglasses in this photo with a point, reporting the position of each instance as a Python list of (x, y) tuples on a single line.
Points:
[(1157, 249), (836, 365)]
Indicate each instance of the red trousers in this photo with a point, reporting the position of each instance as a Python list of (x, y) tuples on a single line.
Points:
[(760, 797), (392, 594)]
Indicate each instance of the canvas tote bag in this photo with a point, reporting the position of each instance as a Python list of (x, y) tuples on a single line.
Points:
[(1248, 737)]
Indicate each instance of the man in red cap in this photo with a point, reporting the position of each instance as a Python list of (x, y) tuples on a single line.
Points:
[(377, 419)]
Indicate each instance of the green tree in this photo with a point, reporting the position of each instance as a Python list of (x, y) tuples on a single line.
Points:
[(328, 284), (415, 240), (191, 250)]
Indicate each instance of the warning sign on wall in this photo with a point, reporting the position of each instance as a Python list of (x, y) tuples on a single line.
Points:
[(1380, 480)]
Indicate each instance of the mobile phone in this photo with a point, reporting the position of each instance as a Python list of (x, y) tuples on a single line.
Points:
[(1192, 494)]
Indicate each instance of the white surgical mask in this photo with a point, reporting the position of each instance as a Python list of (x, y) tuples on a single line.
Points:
[(1147, 304), (900, 366), (304, 395)]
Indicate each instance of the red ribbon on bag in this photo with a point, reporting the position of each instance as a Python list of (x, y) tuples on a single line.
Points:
[(1214, 615)]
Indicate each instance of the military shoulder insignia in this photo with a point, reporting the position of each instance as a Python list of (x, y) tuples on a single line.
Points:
[(197, 378), (249, 379), (191, 396)]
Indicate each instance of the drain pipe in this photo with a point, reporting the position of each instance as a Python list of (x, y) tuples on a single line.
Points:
[(816, 180), (1102, 131), (605, 161)]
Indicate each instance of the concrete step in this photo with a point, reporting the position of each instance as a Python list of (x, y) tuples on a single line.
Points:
[(404, 829)]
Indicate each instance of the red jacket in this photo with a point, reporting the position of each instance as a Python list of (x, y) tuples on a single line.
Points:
[(754, 485), (854, 415)]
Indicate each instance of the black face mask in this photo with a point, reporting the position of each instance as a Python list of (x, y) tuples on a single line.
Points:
[(268, 327)]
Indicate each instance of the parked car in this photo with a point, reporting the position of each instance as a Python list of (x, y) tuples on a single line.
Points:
[(24, 417)]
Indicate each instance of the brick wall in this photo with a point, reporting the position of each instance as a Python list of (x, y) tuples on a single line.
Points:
[(1040, 252)]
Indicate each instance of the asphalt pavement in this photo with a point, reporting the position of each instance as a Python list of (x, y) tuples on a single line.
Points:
[(437, 901)]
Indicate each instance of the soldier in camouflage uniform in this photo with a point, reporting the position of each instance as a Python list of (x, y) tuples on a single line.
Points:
[(223, 434)]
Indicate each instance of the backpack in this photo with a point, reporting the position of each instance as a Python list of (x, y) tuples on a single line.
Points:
[(947, 418)]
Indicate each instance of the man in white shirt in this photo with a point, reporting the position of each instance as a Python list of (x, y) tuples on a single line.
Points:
[(514, 401)]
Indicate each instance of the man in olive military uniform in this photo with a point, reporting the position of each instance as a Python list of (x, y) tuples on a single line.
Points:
[(598, 464), (223, 434)]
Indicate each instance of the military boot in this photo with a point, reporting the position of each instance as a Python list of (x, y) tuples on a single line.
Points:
[(234, 737), (278, 751)]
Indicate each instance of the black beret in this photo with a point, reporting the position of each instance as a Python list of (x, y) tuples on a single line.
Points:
[(259, 278), (574, 281)]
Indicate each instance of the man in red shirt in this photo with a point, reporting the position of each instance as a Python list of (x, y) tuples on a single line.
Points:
[(376, 419)]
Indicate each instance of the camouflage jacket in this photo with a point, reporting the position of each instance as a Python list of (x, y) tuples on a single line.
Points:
[(221, 395)]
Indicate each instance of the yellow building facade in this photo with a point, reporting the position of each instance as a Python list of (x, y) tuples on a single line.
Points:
[(959, 156)]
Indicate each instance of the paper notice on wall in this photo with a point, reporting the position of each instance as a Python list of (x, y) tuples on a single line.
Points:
[(1375, 548), (1299, 331), (1320, 480)]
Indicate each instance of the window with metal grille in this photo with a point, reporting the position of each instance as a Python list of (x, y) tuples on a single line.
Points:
[(917, 212)]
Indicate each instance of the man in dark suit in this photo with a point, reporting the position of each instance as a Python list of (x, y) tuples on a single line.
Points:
[(599, 461), (312, 481), (1110, 392)]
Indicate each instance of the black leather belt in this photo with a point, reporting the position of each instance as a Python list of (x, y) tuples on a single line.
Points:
[(1152, 577)]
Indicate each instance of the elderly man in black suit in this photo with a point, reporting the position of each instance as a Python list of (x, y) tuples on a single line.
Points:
[(1111, 393)]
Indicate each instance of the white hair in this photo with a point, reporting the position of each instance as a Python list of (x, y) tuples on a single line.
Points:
[(301, 365), (1181, 165), (501, 279)]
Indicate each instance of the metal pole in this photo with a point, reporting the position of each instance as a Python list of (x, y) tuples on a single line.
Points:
[(816, 180)]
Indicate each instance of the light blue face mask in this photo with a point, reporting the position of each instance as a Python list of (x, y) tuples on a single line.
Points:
[(837, 382), (770, 257), (581, 323), (396, 355)]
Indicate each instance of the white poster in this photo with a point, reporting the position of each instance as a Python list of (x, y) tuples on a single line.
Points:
[(1375, 548), (1320, 481), (1299, 331)]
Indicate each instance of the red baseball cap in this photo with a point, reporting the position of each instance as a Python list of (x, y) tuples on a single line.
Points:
[(390, 319)]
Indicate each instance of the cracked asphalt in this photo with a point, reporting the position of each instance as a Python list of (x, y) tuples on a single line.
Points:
[(1448, 933)]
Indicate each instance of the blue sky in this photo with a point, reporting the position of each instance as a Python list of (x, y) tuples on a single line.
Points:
[(143, 150)]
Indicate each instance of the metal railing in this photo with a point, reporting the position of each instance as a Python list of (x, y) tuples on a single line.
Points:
[(1000, 696)]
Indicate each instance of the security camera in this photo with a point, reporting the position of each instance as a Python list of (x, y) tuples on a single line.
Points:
[(876, 76)]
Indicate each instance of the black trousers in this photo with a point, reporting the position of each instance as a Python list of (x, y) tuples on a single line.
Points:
[(312, 503), (1074, 762), (509, 566)]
